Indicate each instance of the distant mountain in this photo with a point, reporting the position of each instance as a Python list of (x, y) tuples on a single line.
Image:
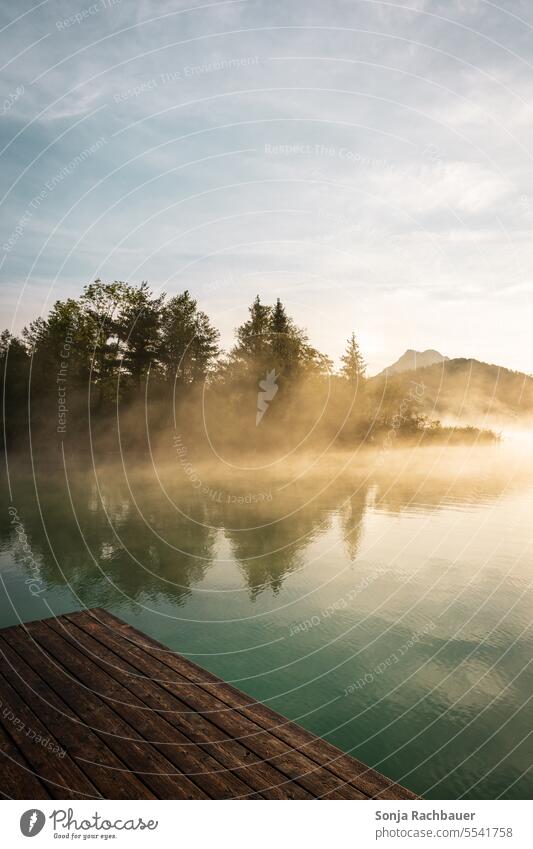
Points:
[(461, 389), (412, 360)]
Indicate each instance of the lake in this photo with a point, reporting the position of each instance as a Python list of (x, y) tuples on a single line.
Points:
[(384, 602)]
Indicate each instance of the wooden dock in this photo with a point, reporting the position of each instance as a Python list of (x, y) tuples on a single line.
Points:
[(92, 708)]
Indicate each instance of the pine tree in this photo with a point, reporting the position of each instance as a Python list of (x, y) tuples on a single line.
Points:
[(353, 365), (284, 339), (280, 323), (253, 335)]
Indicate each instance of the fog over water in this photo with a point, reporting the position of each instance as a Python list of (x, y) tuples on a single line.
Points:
[(382, 598)]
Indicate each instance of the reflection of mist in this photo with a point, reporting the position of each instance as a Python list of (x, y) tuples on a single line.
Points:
[(296, 597), (148, 536)]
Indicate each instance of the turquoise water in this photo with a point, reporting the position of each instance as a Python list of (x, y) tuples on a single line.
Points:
[(387, 608)]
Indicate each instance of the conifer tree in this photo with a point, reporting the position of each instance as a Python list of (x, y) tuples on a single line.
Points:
[(353, 365)]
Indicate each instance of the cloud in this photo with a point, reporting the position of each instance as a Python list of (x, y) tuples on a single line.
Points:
[(365, 149)]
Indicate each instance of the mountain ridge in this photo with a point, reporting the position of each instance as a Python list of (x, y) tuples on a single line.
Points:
[(412, 360), (465, 389)]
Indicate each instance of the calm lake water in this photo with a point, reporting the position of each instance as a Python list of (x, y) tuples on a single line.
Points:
[(386, 607)]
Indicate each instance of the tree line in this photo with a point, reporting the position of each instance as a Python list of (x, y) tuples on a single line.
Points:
[(119, 347)]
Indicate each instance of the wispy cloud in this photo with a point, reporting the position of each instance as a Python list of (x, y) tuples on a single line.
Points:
[(375, 150)]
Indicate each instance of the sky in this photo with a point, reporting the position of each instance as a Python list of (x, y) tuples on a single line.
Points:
[(368, 162)]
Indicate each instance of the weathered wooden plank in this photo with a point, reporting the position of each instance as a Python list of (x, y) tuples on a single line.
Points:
[(228, 752), (62, 777), (136, 720), (264, 744), (191, 761), (109, 775), (18, 779), (143, 759), (372, 783)]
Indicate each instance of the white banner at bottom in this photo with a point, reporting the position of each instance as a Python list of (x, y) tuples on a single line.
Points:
[(260, 825)]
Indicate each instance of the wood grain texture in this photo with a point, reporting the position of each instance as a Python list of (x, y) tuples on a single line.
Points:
[(97, 709)]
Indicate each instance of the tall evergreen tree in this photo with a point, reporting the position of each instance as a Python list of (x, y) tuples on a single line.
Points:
[(285, 341), (251, 354), (353, 365), (270, 339), (292, 353), (253, 337)]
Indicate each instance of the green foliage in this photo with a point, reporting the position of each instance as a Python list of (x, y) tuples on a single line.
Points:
[(270, 339), (118, 345), (188, 343), (138, 331), (14, 369), (100, 303), (253, 337), (100, 349)]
